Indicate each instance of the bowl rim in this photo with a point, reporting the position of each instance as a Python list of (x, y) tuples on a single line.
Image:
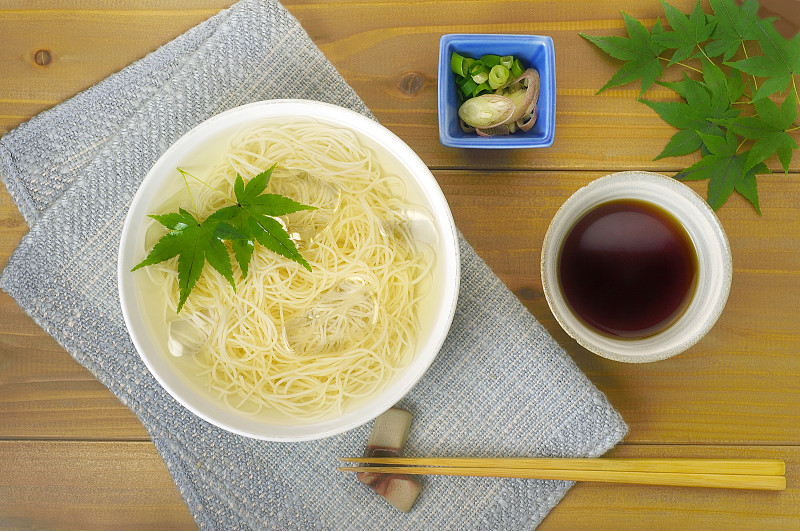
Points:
[(406, 158), (708, 217), (498, 142)]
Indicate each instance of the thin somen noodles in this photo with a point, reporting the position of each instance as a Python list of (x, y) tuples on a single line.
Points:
[(289, 340)]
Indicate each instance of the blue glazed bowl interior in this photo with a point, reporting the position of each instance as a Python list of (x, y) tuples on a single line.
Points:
[(533, 51)]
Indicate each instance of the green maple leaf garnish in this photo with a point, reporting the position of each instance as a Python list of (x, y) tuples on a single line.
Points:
[(735, 25), (194, 243), (725, 112), (687, 33), (726, 171), (639, 51), (253, 216), (250, 219), (781, 60)]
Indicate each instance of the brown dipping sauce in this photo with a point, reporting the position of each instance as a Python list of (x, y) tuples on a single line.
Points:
[(627, 269)]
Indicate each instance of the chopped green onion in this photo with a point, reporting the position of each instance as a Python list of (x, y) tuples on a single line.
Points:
[(468, 87), (490, 73), (498, 76), (516, 69), (480, 89), (478, 72), (490, 60), (457, 64), (483, 77)]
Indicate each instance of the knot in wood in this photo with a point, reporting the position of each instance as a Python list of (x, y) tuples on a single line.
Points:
[(411, 83), (42, 57)]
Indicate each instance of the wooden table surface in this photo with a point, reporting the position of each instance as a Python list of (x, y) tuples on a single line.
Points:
[(73, 457)]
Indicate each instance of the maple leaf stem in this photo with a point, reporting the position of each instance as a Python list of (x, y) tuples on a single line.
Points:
[(201, 181), (188, 189), (682, 64), (704, 53), (740, 145), (746, 56)]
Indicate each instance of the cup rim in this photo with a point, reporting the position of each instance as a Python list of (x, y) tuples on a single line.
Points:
[(655, 347)]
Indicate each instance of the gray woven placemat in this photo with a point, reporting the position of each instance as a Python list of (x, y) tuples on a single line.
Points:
[(500, 386)]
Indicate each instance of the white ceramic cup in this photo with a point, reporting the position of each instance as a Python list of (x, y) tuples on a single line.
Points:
[(714, 268)]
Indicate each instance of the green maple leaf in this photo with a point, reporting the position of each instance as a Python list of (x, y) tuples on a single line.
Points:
[(776, 142), (639, 52), (778, 118), (705, 107), (734, 86), (735, 25), (251, 218), (194, 243), (254, 217), (781, 60), (715, 81), (687, 33), (725, 170), (683, 142), (768, 129), (690, 122)]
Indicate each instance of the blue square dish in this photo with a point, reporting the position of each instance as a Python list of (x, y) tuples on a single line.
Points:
[(533, 51)]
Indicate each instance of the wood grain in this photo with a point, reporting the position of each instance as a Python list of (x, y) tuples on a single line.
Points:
[(611, 131), (87, 485), (125, 485), (598, 507), (75, 458)]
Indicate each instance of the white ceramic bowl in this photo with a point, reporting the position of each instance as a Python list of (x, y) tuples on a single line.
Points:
[(203, 145), (714, 267)]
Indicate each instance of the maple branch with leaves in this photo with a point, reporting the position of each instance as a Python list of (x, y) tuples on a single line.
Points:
[(706, 118)]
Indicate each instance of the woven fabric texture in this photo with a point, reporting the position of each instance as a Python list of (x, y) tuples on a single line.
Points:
[(500, 386)]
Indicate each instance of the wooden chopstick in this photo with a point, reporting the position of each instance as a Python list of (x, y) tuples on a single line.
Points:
[(761, 467), (717, 473)]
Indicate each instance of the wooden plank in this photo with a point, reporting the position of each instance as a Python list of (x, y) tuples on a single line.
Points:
[(80, 485), (12, 226), (82, 48), (125, 485), (46, 394), (595, 506), (611, 130), (140, 8)]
